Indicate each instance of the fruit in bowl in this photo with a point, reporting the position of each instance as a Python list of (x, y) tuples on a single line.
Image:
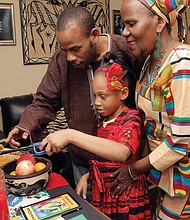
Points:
[(26, 164), (22, 178)]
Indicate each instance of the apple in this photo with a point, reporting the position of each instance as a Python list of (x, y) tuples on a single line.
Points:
[(26, 157), (24, 167)]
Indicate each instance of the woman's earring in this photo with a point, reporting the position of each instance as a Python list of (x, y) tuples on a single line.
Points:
[(159, 45)]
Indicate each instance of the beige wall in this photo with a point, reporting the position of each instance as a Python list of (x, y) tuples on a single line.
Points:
[(16, 78)]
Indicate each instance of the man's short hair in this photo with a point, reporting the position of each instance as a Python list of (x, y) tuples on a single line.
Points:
[(76, 16)]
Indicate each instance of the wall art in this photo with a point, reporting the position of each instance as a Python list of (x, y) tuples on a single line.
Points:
[(118, 25), (7, 26), (38, 22)]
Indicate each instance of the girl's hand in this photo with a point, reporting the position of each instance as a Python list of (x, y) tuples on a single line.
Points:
[(82, 185), (122, 182), (55, 142)]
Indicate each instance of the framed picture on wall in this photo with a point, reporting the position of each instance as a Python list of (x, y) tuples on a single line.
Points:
[(38, 23), (117, 23), (7, 26)]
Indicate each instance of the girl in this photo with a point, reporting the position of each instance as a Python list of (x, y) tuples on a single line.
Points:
[(118, 141)]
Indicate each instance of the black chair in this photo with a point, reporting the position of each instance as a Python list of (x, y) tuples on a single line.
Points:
[(12, 108)]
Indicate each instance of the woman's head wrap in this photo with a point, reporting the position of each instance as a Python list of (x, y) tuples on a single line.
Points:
[(167, 9)]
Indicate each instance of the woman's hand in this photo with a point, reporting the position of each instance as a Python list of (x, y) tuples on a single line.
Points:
[(55, 142), (122, 182), (81, 188), (127, 175)]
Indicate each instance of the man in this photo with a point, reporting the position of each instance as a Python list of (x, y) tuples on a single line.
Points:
[(67, 83)]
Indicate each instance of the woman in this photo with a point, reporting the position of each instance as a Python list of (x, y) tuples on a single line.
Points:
[(163, 92)]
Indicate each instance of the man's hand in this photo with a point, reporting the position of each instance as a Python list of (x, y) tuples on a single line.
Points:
[(122, 182), (15, 135)]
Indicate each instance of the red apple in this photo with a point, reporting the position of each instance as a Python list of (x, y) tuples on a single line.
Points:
[(26, 157), (24, 167)]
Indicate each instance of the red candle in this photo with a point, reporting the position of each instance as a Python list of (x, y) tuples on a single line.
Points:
[(4, 210)]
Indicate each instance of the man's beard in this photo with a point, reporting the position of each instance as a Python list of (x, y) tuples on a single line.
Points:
[(91, 45), (91, 52)]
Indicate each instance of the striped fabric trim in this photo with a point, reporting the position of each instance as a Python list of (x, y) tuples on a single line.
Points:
[(169, 101), (170, 5), (180, 147), (154, 176), (151, 131), (186, 208), (178, 60), (181, 121), (182, 74), (145, 92), (182, 177), (169, 208), (168, 213)]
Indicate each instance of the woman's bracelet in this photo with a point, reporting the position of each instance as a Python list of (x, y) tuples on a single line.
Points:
[(132, 175)]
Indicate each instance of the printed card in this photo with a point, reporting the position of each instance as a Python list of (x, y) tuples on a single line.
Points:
[(49, 208)]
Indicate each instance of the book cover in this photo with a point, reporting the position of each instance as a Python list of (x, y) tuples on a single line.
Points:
[(16, 202), (51, 207)]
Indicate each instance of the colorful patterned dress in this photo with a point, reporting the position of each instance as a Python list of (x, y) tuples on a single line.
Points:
[(126, 129), (166, 104)]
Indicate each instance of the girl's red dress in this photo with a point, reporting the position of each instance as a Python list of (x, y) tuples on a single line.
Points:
[(126, 129)]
